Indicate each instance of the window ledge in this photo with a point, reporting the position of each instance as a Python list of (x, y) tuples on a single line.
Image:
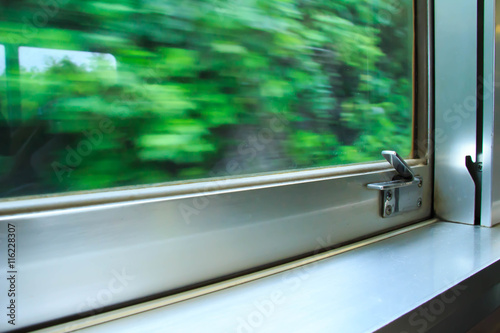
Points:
[(411, 282)]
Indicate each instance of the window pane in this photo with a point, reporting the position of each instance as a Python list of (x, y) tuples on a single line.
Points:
[(112, 93), (4, 126), (52, 78)]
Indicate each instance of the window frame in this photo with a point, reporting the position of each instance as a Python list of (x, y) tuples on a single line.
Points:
[(259, 200)]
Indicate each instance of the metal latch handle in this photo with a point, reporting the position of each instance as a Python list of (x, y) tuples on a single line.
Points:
[(391, 185), (398, 163), (405, 176), (404, 192)]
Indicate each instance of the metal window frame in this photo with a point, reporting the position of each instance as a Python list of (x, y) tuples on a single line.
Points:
[(490, 191), (456, 32), (468, 196), (74, 245)]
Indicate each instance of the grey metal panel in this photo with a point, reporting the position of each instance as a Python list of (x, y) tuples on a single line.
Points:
[(488, 112), (180, 189), (77, 260), (455, 107), (424, 95), (356, 291), (495, 182), (490, 199)]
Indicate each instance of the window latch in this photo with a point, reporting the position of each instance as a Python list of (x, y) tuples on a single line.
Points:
[(404, 192)]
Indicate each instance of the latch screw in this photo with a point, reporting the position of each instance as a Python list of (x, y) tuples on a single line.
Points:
[(388, 210), (419, 202), (388, 196)]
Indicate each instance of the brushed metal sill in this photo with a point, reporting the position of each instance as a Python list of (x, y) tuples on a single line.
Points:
[(367, 286), (192, 294)]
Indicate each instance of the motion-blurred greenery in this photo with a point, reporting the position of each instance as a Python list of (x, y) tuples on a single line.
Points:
[(201, 88)]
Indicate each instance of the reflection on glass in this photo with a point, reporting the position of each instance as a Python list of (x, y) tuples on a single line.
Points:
[(109, 93), (4, 126), (53, 78), (35, 60), (2, 60)]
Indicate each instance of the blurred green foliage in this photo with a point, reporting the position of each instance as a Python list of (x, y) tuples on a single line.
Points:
[(201, 88)]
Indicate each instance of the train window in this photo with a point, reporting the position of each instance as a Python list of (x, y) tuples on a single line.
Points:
[(55, 86), (2, 61), (4, 134), (273, 86), (169, 144), (3, 87)]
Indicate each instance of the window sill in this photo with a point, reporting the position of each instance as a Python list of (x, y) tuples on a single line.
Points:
[(413, 281)]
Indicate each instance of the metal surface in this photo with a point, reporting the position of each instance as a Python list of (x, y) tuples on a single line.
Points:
[(401, 200), (394, 184), (401, 195), (488, 83), (356, 291), (184, 189), (399, 164), (455, 45), (495, 183), (423, 119), (162, 302), (405, 176), (490, 205), (458, 308), (80, 260), (490, 195)]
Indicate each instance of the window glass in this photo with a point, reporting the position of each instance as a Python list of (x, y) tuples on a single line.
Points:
[(116, 93), (2, 61), (4, 126), (55, 82), (3, 88)]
